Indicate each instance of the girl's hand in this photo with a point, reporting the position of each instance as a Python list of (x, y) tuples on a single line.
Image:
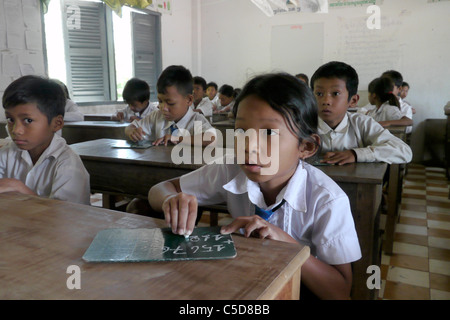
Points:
[(258, 227), (180, 212)]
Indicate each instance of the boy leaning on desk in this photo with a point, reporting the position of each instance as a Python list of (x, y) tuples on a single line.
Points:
[(37, 161), (175, 96)]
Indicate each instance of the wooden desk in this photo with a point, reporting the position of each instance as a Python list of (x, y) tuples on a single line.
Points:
[(130, 172), (219, 117), (133, 172), (98, 116), (41, 238), (80, 131), (362, 182)]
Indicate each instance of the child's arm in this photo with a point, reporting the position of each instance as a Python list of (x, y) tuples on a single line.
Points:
[(134, 133), (339, 157), (404, 121), (257, 226), (14, 185), (180, 209), (327, 281)]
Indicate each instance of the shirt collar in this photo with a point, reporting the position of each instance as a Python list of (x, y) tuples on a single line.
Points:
[(55, 148), (294, 192), (341, 128)]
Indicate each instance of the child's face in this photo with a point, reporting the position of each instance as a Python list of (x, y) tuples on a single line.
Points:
[(211, 92), (173, 104), (404, 92), (224, 100), (29, 128), (138, 106), (284, 152), (199, 93), (332, 100)]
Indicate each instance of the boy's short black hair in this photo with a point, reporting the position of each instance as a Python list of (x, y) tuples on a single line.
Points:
[(395, 76), (47, 94), (405, 84), (303, 76), (177, 76), (340, 70), (136, 90), (227, 90), (212, 84), (200, 81)]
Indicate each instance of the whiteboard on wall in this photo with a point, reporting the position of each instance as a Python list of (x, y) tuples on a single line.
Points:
[(297, 48)]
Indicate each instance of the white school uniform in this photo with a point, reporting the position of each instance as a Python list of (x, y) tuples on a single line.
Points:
[(72, 113), (362, 134), (231, 105), (316, 212), (406, 111), (215, 101), (366, 108), (205, 106), (58, 173), (156, 126), (128, 113), (386, 112)]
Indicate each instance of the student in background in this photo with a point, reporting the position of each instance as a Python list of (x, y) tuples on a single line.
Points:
[(387, 107), (226, 98), (404, 93), (405, 109), (212, 93), (303, 77), (175, 88), (202, 104), (37, 161), (72, 113), (136, 94), (296, 203), (350, 137)]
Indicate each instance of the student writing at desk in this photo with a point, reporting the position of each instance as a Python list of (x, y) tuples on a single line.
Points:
[(175, 96), (37, 161), (226, 98), (350, 137), (294, 203), (136, 94)]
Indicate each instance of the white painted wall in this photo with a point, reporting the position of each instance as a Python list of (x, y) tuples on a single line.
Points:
[(236, 44)]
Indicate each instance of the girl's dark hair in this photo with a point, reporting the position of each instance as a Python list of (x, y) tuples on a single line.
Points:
[(382, 87), (289, 96), (227, 90), (47, 94), (136, 90)]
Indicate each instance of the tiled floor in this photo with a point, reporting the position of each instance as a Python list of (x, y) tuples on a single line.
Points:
[(419, 267)]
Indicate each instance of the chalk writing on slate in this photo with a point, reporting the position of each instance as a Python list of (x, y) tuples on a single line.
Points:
[(141, 245)]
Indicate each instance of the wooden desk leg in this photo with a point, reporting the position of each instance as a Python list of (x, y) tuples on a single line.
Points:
[(291, 291), (392, 212), (108, 201)]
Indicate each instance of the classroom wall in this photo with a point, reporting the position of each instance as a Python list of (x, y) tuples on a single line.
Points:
[(237, 43)]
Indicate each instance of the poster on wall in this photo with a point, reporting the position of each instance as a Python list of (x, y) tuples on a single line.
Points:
[(162, 6), (295, 6)]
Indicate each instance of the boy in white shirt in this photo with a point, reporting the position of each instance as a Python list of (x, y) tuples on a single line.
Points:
[(175, 88), (136, 94), (202, 104), (37, 161), (350, 137), (212, 93)]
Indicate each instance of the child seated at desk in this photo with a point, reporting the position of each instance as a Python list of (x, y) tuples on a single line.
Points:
[(201, 104), (136, 94), (37, 161), (72, 113), (350, 137), (295, 203), (212, 93), (174, 116), (227, 97)]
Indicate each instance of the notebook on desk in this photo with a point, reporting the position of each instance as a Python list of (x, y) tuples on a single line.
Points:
[(125, 144), (145, 245)]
